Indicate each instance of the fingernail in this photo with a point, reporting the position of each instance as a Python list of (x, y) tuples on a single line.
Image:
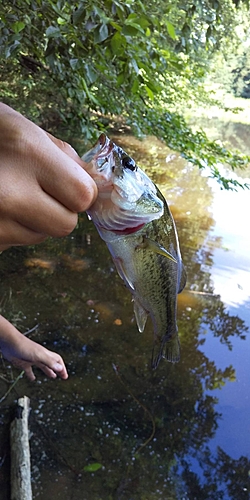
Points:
[(73, 150), (57, 367)]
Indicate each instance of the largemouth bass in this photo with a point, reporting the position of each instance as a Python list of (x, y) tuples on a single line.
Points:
[(133, 218)]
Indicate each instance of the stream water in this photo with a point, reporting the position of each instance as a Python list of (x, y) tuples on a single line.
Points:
[(181, 432)]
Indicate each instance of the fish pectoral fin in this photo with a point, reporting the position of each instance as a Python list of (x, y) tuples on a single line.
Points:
[(123, 274), (140, 315), (156, 248), (168, 349)]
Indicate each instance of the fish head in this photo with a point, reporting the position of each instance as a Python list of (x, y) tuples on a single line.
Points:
[(126, 196)]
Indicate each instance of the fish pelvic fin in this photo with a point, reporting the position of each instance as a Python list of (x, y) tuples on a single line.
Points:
[(169, 350), (123, 273)]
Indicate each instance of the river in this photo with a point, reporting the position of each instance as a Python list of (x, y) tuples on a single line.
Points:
[(181, 432)]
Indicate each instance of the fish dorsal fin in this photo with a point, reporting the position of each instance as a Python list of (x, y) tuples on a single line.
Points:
[(156, 248), (122, 273), (183, 279), (140, 315)]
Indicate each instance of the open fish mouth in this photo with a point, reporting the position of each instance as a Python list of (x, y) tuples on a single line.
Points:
[(127, 197)]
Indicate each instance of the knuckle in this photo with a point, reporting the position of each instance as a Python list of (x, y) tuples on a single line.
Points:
[(85, 194), (66, 227)]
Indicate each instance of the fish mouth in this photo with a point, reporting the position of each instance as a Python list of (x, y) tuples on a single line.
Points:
[(126, 230), (102, 148), (106, 145)]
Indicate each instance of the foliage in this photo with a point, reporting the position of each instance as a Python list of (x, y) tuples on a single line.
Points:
[(82, 64), (242, 77)]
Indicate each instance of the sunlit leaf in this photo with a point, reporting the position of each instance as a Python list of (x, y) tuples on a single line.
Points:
[(92, 467), (116, 25), (18, 26), (61, 21), (171, 30), (149, 92)]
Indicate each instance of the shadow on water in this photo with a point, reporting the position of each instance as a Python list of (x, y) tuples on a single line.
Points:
[(150, 431)]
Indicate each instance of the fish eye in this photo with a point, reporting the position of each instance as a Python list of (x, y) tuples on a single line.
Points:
[(127, 162)]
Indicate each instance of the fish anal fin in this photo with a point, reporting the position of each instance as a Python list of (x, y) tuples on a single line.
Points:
[(168, 349), (140, 315), (156, 248)]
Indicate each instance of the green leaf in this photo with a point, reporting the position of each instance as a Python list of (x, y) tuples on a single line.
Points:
[(79, 15), (142, 21), (130, 30), (120, 79), (90, 72), (92, 467), (53, 32), (149, 92), (61, 21), (117, 43), (101, 33), (134, 20), (18, 26), (73, 63), (171, 30), (135, 86), (115, 25), (153, 86), (134, 24)]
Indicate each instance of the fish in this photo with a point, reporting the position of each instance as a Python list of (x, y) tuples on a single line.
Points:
[(133, 218)]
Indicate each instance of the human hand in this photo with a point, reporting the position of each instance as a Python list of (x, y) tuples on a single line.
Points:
[(24, 353), (43, 184)]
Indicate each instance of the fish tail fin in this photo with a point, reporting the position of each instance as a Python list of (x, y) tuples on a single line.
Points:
[(169, 350)]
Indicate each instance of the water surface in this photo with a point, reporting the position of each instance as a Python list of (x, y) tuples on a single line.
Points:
[(181, 432)]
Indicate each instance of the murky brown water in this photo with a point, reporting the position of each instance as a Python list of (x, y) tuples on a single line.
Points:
[(181, 432)]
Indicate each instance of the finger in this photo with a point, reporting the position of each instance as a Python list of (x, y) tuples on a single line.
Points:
[(23, 365), (4, 247), (50, 373), (29, 373), (66, 148), (60, 369), (64, 178), (14, 233), (54, 370), (49, 217), (51, 362)]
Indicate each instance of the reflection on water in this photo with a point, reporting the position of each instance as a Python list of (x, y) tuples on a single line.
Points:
[(181, 432)]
